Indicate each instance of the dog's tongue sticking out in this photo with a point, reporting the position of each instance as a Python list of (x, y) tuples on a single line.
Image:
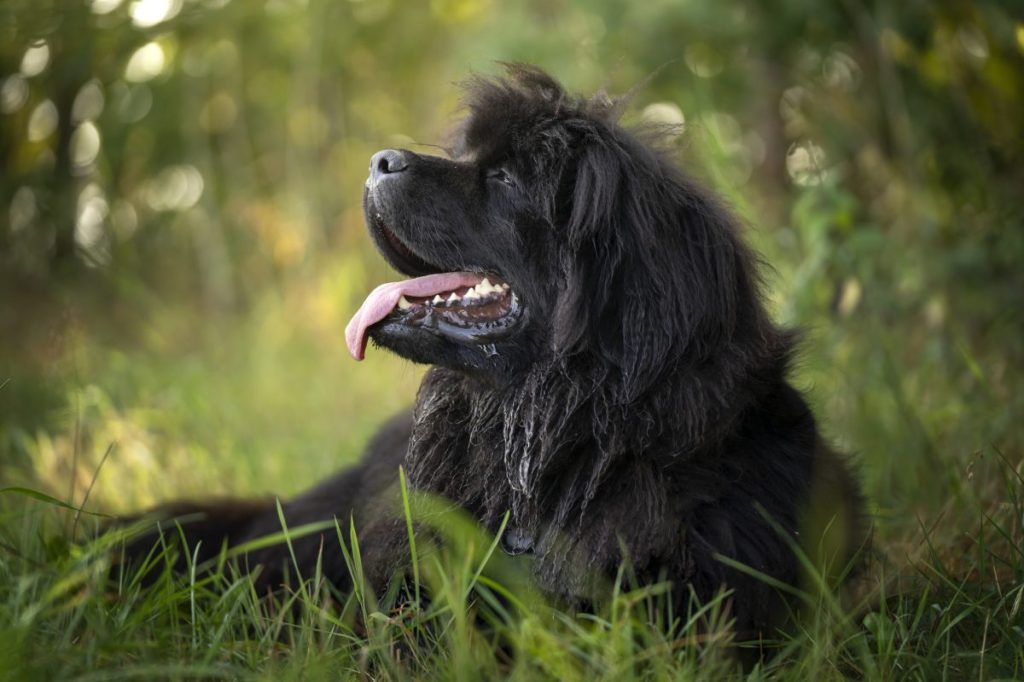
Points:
[(384, 298)]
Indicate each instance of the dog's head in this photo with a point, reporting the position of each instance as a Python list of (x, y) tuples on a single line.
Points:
[(550, 232)]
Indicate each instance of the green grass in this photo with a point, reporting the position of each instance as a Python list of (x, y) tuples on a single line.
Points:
[(198, 405), (68, 614)]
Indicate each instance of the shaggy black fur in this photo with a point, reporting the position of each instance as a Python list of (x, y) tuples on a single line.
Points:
[(637, 411)]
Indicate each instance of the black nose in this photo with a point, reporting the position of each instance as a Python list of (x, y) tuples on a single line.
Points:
[(386, 162)]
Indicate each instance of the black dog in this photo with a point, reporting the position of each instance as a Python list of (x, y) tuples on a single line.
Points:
[(603, 369)]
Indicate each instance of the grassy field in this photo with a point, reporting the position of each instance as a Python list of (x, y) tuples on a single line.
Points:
[(267, 403)]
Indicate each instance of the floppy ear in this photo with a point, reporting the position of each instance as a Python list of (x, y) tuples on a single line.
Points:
[(592, 249), (654, 274)]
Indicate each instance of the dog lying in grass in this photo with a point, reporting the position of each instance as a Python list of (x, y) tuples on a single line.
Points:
[(605, 385)]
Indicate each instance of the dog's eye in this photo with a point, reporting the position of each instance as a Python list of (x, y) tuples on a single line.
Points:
[(501, 175)]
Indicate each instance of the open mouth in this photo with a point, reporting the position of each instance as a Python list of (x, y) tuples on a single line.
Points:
[(465, 307)]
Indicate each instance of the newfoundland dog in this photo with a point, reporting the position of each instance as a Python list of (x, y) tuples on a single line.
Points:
[(603, 372)]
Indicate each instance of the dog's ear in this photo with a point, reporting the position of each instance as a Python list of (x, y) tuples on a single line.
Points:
[(653, 271), (591, 249)]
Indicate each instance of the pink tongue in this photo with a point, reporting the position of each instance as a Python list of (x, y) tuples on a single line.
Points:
[(384, 298)]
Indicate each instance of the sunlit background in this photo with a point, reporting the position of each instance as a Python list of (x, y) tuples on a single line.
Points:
[(181, 241)]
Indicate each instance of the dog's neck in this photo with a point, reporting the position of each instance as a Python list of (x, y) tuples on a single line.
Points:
[(554, 437)]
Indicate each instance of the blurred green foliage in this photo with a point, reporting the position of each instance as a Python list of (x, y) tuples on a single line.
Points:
[(181, 239)]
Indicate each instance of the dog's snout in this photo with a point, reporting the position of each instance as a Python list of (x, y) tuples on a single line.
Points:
[(387, 162)]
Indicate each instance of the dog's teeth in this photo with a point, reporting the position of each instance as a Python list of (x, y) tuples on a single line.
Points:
[(471, 295), (454, 298), (505, 287), (437, 299), (403, 303)]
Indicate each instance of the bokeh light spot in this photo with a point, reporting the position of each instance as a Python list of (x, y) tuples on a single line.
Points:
[(43, 121), (973, 42), (841, 71), (104, 6), (90, 233), (850, 296), (124, 219), (665, 115), (175, 188), (133, 103), (146, 63), (88, 103), (85, 145), (146, 13), (13, 94), (35, 59), (791, 109), (805, 163), (23, 209), (703, 60)]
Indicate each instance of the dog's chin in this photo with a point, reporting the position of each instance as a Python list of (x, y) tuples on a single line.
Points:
[(431, 348)]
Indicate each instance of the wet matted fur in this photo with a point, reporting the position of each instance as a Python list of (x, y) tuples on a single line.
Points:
[(624, 397)]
